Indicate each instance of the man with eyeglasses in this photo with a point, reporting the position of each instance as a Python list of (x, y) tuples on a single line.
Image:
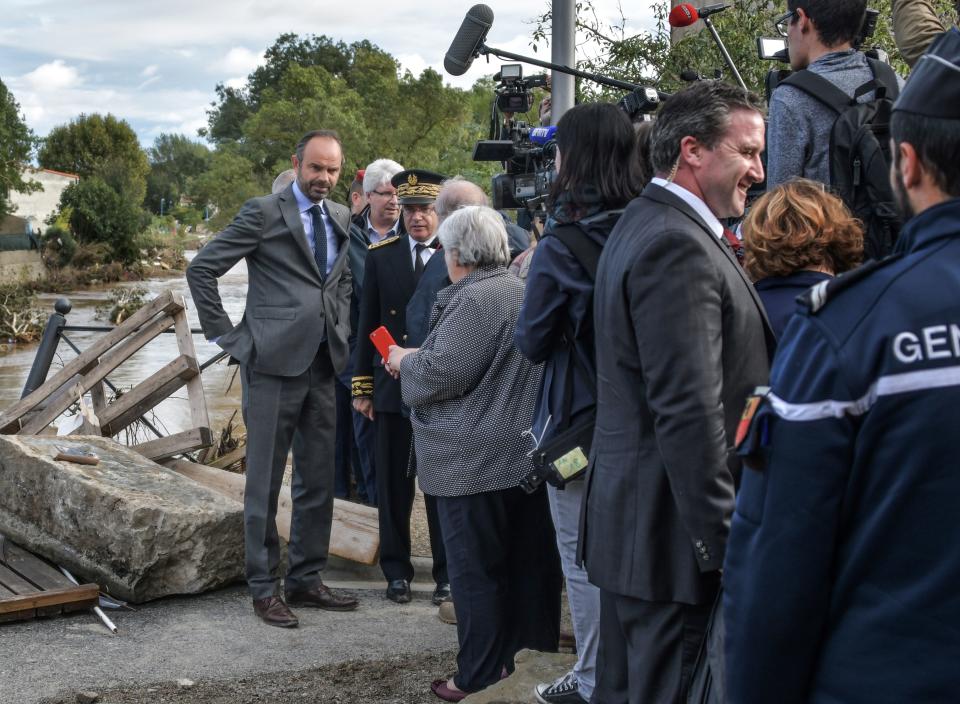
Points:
[(393, 267), (820, 36)]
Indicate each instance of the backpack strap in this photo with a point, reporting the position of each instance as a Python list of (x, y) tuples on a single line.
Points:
[(885, 76), (820, 89), (584, 249)]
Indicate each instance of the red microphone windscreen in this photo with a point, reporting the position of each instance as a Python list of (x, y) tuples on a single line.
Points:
[(683, 15)]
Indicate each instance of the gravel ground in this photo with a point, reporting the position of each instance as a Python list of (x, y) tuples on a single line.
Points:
[(398, 680)]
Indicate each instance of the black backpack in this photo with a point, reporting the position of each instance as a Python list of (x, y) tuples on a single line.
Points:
[(860, 151)]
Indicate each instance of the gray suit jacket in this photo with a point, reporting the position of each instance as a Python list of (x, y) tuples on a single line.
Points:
[(682, 339), (289, 306)]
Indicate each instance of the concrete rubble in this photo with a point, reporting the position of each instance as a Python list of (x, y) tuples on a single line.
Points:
[(139, 530)]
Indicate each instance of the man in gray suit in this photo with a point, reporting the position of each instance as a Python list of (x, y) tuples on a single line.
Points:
[(290, 342), (682, 340)]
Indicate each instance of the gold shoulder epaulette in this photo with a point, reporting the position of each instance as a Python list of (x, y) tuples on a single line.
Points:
[(381, 243)]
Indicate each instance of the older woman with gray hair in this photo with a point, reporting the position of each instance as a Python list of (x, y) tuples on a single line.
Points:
[(471, 395)]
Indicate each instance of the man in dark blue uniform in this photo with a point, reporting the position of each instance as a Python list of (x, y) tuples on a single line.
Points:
[(842, 568)]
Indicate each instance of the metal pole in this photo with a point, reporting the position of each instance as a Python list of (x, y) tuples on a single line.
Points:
[(723, 50), (48, 347), (563, 51)]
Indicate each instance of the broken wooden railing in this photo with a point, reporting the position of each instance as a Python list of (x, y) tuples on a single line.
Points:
[(87, 374)]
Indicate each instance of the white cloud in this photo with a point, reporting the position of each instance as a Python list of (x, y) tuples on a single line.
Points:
[(97, 60), (238, 60), (52, 77)]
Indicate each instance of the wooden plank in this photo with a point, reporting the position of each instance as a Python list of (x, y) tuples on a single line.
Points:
[(354, 534), (198, 402), (230, 458), (14, 582), (176, 444), (147, 394), (164, 303), (34, 569), (93, 374), (85, 595), (59, 402)]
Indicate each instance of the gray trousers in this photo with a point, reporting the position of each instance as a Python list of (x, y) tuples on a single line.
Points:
[(279, 412), (584, 598)]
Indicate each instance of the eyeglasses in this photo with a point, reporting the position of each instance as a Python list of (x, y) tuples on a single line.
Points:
[(413, 209), (783, 22), (386, 194)]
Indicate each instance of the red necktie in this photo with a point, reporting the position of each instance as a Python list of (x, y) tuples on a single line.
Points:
[(736, 246)]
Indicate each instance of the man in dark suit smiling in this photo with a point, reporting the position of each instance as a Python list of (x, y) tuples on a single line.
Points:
[(682, 340)]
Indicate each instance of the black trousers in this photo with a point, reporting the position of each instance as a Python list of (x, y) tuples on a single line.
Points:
[(647, 649), (395, 493), (506, 578)]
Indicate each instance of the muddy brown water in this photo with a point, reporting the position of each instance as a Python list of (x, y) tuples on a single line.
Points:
[(172, 415)]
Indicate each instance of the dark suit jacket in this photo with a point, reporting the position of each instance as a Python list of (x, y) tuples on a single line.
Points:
[(681, 341), (388, 284), (433, 279), (290, 308)]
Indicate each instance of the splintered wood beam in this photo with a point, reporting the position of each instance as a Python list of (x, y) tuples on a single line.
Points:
[(147, 394), (164, 303), (354, 533), (198, 402), (176, 444)]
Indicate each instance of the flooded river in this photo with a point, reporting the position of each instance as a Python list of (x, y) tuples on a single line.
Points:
[(172, 415)]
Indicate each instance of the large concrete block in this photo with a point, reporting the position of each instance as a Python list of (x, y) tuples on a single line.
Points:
[(138, 529)]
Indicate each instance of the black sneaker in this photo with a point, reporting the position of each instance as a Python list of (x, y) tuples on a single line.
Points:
[(563, 691)]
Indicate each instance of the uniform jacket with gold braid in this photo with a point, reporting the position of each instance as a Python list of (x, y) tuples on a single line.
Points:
[(388, 285)]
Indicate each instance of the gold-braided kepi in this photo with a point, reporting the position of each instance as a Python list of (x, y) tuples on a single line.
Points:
[(417, 186)]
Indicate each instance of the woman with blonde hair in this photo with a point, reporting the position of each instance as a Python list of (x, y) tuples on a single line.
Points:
[(797, 235)]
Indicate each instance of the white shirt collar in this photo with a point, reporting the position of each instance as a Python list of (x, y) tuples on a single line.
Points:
[(716, 227), (413, 243)]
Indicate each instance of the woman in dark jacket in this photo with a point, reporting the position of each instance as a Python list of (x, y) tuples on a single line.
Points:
[(598, 173), (795, 237), (471, 396)]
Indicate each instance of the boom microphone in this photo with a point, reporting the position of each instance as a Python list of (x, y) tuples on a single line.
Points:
[(685, 14), (466, 44)]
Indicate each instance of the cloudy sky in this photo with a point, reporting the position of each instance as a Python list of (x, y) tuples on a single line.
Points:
[(156, 64)]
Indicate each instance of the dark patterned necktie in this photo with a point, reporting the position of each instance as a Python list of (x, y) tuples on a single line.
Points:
[(736, 246), (319, 241), (418, 264)]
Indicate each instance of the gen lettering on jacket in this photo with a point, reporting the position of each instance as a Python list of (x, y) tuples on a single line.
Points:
[(928, 344)]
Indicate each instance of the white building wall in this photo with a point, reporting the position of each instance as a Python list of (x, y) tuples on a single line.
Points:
[(37, 207)]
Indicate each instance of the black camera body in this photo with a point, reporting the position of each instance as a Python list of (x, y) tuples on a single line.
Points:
[(515, 94), (526, 152)]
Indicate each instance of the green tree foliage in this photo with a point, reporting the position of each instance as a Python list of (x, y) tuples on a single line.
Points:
[(227, 184), (358, 90), (16, 146), (174, 160), (102, 146), (99, 214)]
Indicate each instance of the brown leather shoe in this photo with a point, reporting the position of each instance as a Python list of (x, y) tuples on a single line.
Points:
[(319, 596), (273, 612)]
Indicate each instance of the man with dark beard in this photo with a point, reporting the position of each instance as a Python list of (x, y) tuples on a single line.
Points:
[(842, 560)]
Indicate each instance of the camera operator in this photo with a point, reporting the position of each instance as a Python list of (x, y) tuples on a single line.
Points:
[(915, 25), (598, 173), (820, 36)]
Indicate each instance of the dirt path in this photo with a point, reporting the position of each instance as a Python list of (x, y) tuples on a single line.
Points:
[(399, 680)]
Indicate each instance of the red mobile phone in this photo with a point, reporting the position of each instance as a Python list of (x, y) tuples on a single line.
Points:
[(382, 339)]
